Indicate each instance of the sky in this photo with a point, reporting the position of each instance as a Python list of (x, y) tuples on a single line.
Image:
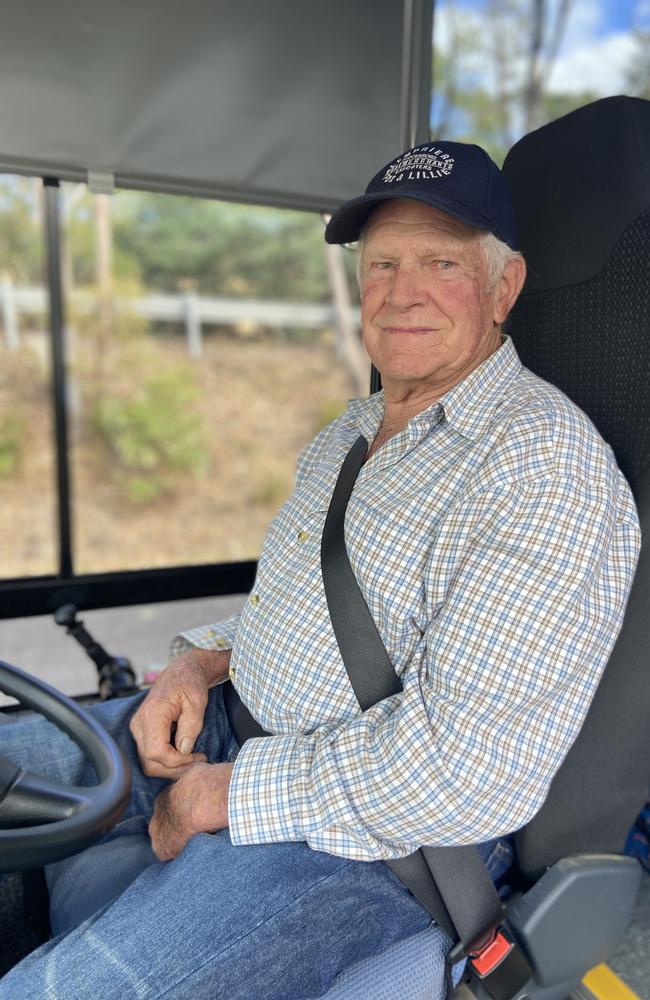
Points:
[(597, 47)]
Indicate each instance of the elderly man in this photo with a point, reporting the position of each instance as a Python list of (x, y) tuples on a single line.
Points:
[(494, 540)]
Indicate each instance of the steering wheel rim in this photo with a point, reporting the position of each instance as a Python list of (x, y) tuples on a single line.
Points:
[(42, 821)]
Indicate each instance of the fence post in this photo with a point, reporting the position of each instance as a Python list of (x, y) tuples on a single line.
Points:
[(193, 325), (8, 310)]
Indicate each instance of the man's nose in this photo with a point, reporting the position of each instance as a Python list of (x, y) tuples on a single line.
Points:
[(405, 289)]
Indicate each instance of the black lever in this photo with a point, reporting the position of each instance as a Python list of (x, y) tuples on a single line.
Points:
[(116, 676)]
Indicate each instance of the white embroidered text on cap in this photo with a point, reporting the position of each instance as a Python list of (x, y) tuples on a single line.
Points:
[(420, 164)]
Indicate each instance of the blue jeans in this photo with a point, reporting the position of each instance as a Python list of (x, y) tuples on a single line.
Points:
[(240, 923)]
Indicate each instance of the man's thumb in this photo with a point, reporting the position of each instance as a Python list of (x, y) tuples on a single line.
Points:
[(188, 728)]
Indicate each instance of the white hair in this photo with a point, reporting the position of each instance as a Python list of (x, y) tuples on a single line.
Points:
[(497, 254)]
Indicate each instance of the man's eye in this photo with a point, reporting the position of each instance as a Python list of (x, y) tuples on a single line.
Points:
[(445, 265), (382, 265)]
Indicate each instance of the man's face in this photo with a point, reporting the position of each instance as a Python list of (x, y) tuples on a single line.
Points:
[(428, 313)]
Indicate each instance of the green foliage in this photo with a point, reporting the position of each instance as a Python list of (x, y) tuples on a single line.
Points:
[(12, 440), (155, 434), (222, 249), (270, 488), (328, 411), (144, 410), (21, 238), (107, 325), (554, 105), (24, 398)]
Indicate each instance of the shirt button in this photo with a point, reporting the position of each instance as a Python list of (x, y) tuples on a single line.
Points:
[(232, 672), (255, 599), (303, 536)]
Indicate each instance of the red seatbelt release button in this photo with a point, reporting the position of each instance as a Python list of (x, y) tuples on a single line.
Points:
[(491, 954)]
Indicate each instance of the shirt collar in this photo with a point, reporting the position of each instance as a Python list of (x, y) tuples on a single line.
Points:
[(468, 407), (366, 414)]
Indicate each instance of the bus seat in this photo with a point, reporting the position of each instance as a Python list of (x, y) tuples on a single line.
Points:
[(581, 187)]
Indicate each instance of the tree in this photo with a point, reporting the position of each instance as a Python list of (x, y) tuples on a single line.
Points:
[(224, 249), (21, 234), (545, 40), (638, 72), (491, 83)]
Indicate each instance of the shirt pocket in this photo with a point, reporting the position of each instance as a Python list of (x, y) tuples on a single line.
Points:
[(304, 512), (312, 495)]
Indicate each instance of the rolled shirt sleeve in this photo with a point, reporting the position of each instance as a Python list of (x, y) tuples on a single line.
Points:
[(525, 587), (219, 636)]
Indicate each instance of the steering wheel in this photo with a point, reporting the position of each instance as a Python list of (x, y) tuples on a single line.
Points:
[(42, 821)]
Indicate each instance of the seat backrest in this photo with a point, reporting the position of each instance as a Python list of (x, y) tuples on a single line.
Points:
[(581, 187)]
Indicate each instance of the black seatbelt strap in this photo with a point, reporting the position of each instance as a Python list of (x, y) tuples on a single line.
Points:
[(364, 655), (452, 883), (242, 723)]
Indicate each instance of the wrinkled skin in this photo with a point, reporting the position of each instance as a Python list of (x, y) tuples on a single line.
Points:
[(429, 313), (197, 801)]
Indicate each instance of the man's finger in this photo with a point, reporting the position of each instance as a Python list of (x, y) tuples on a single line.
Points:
[(156, 736), (188, 727), (156, 769)]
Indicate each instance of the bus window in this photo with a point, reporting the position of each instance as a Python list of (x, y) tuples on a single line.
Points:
[(203, 351), (27, 481)]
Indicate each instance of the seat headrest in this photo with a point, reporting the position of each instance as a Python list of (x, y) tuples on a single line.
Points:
[(598, 155)]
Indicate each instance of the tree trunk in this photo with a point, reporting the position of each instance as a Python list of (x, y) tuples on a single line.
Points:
[(351, 350)]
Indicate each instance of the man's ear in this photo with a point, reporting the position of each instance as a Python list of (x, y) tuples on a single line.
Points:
[(508, 288)]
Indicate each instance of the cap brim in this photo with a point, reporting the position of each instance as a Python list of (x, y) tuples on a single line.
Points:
[(347, 221)]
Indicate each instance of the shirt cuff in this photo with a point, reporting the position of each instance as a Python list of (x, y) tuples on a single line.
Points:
[(261, 790), (219, 636)]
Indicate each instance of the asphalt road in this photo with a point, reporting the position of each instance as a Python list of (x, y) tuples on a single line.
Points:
[(141, 633)]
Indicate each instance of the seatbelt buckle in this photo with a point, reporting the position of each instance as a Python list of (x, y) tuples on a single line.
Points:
[(459, 952), (491, 953), (497, 961)]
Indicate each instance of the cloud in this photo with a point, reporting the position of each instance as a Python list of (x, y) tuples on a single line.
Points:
[(585, 23), (590, 57), (599, 65)]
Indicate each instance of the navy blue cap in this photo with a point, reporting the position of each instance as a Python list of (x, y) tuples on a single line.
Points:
[(457, 177)]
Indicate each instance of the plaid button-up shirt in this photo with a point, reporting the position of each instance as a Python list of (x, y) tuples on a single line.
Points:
[(495, 542)]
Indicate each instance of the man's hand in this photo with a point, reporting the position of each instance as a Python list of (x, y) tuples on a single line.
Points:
[(177, 698), (196, 803)]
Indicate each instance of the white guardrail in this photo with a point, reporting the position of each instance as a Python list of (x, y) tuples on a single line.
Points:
[(188, 308)]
